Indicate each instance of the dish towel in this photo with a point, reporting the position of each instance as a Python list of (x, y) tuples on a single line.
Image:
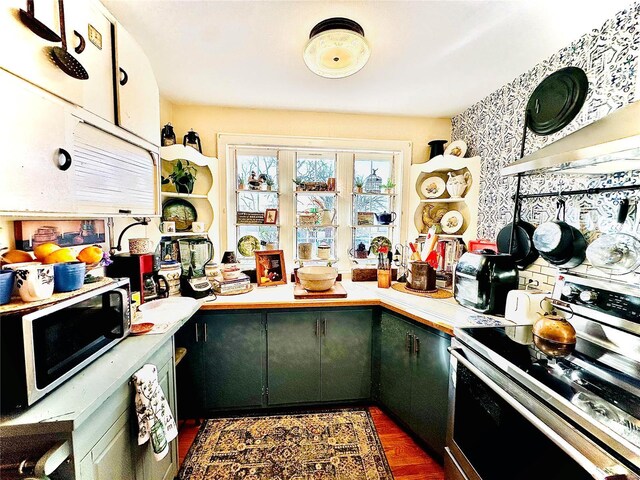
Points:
[(155, 419)]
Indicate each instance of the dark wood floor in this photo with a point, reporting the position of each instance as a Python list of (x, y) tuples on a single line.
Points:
[(406, 459)]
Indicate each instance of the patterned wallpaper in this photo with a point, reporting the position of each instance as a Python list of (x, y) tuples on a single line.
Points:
[(493, 128)]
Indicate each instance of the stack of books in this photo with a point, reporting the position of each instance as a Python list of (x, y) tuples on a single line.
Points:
[(236, 285)]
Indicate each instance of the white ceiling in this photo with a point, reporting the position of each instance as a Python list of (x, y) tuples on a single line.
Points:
[(429, 58)]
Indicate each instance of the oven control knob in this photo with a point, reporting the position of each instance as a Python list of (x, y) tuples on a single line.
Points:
[(569, 291), (588, 296)]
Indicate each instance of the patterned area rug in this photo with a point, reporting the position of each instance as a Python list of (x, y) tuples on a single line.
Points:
[(328, 445)]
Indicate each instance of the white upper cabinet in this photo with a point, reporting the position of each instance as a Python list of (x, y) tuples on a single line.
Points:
[(29, 56), (137, 90)]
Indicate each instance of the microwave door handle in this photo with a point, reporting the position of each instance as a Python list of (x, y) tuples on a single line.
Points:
[(594, 470), (126, 308)]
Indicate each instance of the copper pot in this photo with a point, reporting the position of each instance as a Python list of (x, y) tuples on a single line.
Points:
[(554, 335)]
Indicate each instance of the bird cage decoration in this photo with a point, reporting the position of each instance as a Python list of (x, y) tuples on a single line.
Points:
[(373, 183)]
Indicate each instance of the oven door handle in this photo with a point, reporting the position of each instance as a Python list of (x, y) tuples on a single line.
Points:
[(594, 470)]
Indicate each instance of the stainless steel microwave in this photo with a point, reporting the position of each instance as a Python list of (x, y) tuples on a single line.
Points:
[(43, 348)]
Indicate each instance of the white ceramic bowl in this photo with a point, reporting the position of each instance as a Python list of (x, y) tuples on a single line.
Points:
[(317, 279), (231, 274)]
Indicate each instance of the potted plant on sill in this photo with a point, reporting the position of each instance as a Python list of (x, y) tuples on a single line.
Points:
[(388, 187), (358, 182), (240, 183), (182, 176), (269, 181)]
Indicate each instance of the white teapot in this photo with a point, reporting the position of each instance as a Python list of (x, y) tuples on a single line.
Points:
[(457, 184)]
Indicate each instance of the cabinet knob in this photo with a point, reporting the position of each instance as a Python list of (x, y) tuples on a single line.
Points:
[(64, 159), (82, 44), (124, 78)]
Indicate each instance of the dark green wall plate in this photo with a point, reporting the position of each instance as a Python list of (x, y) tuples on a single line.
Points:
[(557, 100)]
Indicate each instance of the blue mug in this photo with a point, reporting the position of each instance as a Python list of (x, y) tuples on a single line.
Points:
[(7, 278), (68, 276)]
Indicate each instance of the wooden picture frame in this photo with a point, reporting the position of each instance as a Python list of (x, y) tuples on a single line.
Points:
[(365, 218), (271, 216), (270, 268)]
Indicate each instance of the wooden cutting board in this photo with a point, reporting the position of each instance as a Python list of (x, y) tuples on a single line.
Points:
[(337, 291)]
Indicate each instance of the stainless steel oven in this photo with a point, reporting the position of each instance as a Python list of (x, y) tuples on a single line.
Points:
[(515, 413), (42, 348)]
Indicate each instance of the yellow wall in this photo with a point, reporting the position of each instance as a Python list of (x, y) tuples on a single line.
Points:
[(208, 121)]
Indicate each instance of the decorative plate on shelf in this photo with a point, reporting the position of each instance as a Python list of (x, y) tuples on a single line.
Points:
[(451, 222), (180, 211), (247, 245), (457, 149), (433, 187), (378, 242)]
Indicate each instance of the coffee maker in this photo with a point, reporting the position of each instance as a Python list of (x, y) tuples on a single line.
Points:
[(195, 254), (142, 270)]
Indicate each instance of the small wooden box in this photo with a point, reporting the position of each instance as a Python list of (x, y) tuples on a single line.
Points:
[(369, 274)]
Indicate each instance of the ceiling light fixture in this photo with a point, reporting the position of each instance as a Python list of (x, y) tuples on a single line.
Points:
[(336, 48)]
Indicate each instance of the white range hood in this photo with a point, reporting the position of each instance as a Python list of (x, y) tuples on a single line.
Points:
[(611, 144)]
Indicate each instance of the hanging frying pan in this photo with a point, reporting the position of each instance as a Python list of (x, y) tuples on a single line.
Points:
[(557, 100), (559, 243), (28, 18), (522, 249), (61, 56)]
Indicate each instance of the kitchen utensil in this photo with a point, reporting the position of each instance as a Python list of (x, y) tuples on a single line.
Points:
[(523, 308), (457, 148), (195, 255), (327, 216), (192, 139), (61, 56), (385, 218), (522, 249), (452, 222), (378, 242), (616, 253), (557, 100), (30, 21), (433, 187), (554, 335), (559, 243), (167, 135), (457, 184), (34, 282), (247, 245), (432, 259), (140, 246), (317, 278), (180, 211), (437, 148), (68, 276), (7, 279)]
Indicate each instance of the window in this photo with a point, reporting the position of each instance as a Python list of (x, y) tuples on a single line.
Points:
[(312, 185)]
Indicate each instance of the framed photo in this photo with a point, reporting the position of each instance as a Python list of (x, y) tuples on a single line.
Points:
[(271, 216), (270, 268), (365, 218), (65, 233)]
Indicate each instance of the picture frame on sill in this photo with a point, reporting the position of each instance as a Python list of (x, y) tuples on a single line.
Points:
[(270, 268), (270, 216), (365, 218)]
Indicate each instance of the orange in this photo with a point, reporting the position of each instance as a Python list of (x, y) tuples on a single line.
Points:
[(43, 251), (61, 255), (16, 256), (92, 254)]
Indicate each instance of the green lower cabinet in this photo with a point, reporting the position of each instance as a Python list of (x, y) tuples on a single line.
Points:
[(429, 388), (233, 350), (190, 371), (346, 343), (414, 374), (293, 352)]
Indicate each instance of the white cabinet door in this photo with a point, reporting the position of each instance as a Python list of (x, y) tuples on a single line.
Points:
[(112, 176), (28, 56), (138, 96), (34, 127)]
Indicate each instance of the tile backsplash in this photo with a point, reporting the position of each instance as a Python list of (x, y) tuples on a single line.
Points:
[(493, 128)]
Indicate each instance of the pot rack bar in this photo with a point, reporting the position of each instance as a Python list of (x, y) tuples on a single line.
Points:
[(568, 193)]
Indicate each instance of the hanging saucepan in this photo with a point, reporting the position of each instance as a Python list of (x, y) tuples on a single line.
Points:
[(616, 253), (557, 100), (559, 243), (522, 250)]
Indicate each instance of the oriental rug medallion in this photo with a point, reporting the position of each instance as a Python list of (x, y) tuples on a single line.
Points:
[(328, 445)]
